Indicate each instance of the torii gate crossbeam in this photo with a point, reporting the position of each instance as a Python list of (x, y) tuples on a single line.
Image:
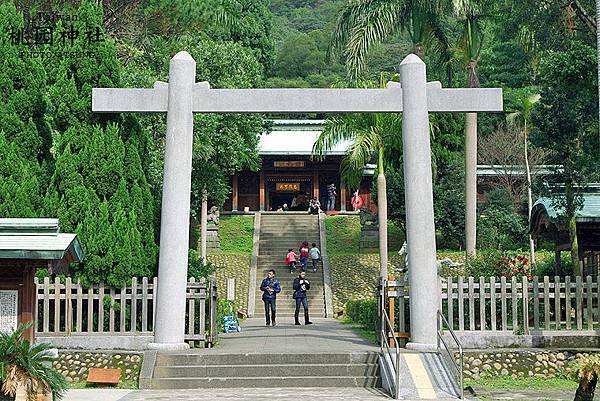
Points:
[(182, 97)]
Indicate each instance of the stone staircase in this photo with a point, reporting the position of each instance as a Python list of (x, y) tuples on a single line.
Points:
[(268, 370), (278, 233)]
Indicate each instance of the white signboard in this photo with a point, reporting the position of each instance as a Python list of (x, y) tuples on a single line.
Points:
[(9, 310)]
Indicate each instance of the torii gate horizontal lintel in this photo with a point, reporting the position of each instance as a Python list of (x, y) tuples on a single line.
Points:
[(296, 100)]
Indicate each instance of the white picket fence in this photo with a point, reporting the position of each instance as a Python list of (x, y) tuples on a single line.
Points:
[(70, 309), (518, 305)]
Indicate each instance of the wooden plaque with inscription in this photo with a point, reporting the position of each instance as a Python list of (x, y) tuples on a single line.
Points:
[(104, 375)]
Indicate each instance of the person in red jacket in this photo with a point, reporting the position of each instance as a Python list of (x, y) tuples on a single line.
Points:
[(290, 260), (304, 252)]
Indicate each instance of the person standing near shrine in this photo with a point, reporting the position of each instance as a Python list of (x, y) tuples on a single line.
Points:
[(357, 201), (331, 194), (270, 287), (315, 256), (301, 285), (304, 253)]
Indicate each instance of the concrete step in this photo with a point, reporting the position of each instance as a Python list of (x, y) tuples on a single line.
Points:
[(190, 358), (264, 382), (282, 370)]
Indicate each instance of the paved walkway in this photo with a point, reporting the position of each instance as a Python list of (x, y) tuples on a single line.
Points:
[(324, 336), (250, 394)]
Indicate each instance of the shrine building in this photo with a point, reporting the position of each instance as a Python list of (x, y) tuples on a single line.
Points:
[(288, 171)]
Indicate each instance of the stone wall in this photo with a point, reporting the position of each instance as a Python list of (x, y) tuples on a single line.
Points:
[(519, 363), (356, 276), (232, 266), (74, 365)]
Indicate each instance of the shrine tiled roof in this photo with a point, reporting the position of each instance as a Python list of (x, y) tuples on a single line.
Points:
[(588, 212), (295, 137), (37, 239)]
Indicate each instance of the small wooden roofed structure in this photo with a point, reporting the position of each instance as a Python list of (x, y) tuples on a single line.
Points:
[(25, 246), (546, 223)]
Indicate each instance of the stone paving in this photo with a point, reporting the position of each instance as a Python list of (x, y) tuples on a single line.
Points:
[(324, 336), (250, 394)]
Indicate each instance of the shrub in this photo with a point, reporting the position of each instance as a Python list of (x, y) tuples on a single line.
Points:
[(24, 364), (363, 312), (513, 267), (484, 264), (587, 369)]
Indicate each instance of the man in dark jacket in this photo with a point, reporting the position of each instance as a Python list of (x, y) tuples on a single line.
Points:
[(270, 287), (301, 285)]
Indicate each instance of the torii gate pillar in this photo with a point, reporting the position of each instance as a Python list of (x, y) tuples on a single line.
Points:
[(169, 324), (418, 190)]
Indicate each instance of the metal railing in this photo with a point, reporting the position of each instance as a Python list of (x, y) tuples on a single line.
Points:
[(441, 320), (387, 327)]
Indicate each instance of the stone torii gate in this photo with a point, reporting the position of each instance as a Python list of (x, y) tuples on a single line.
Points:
[(182, 97)]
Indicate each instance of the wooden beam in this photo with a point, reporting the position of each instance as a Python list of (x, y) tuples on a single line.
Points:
[(234, 193), (261, 192)]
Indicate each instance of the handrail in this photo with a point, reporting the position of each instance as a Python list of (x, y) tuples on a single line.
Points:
[(386, 327), (440, 339)]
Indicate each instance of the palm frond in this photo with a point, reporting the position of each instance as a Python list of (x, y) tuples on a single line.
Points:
[(382, 19)]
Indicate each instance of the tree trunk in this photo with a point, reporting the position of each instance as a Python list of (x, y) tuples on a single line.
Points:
[(598, 54), (419, 50), (574, 246), (203, 224), (382, 218), (529, 197), (586, 389)]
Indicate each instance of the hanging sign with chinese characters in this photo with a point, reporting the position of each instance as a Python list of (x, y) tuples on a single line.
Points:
[(289, 163), (8, 310), (287, 187)]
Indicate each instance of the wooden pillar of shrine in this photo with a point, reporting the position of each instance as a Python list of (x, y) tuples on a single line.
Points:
[(234, 193), (261, 192), (315, 183), (343, 196)]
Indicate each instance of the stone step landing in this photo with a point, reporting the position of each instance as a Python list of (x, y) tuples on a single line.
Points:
[(267, 370)]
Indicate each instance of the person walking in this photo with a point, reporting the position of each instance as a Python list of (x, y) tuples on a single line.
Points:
[(270, 287), (315, 255), (301, 285), (290, 260), (304, 253), (331, 194)]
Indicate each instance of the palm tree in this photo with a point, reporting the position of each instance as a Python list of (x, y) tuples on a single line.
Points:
[(471, 12), (367, 135), (365, 23), (521, 119)]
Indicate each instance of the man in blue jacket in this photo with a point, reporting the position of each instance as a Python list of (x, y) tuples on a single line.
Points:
[(270, 287)]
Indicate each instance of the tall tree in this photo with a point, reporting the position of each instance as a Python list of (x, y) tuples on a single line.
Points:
[(521, 119), (98, 188), (471, 13), (365, 23), (25, 133), (566, 124)]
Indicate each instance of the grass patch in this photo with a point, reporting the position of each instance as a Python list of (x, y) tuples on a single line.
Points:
[(361, 331), (343, 236), (524, 383), (235, 234)]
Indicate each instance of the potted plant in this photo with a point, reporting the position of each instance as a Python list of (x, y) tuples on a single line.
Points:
[(26, 371)]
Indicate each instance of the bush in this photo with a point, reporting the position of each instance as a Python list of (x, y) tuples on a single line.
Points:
[(22, 363), (195, 267), (364, 312), (484, 264)]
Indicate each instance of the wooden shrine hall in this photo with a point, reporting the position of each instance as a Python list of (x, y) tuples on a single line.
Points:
[(290, 176), (25, 246), (546, 223)]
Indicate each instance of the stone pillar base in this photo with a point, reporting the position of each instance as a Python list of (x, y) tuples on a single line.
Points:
[(421, 347), (169, 346)]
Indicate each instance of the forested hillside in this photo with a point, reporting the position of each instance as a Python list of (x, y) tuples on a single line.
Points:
[(102, 174)]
